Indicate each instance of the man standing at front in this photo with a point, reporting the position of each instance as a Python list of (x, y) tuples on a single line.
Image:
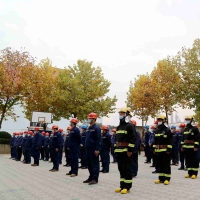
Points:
[(92, 144), (125, 143), (37, 142)]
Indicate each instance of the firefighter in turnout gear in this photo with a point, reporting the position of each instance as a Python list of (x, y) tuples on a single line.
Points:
[(163, 148), (124, 147), (190, 144)]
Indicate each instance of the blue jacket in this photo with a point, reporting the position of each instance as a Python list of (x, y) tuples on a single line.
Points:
[(24, 141), (16, 141), (151, 138), (28, 143), (20, 141), (74, 139), (146, 137), (175, 139), (56, 141), (62, 141), (37, 141), (83, 138), (113, 139), (47, 141), (43, 139), (105, 142), (66, 144), (12, 141), (138, 141), (93, 138)]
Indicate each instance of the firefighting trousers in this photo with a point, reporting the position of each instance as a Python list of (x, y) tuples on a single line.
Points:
[(163, 160), (192, 161), (125, 165)]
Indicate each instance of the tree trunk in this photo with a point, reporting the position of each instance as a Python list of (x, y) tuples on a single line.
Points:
[(166, 115), (3, 112)]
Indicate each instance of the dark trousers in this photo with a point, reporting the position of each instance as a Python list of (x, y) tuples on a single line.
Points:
[(60, 155), (55, 159), (19, 153), (83, 157), (74, 154), (153, 156), (182, 158), (125, 165), (163, 160), (175, 155), (192, 161), (113, 153), (27, 155), (47, 152), (105, 159), (135, 164), (67, 155), (12, 152), (42, 153), (15, 152), (148, 153), (93, 165), (36, 156)]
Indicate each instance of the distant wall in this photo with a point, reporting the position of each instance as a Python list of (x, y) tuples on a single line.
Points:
[(4, 149)]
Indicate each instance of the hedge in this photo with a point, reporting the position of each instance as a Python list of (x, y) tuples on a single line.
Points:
[(5, 135), (4, 141)]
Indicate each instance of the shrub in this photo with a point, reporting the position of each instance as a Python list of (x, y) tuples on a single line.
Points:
[(5, 135)]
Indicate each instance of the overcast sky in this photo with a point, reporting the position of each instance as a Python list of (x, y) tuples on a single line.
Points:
[(124, 37)]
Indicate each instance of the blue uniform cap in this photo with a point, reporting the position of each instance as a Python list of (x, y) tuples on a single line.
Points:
[(84, 126), (146, 127), (173, 127)]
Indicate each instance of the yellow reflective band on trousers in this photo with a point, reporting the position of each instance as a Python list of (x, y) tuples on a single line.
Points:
[(122, 179), (154, 145), (158, 135), (169, 146), (131, 145), (168, 175), (188, 146), (182, 142), (121, 132), (165, 136), (186, 133), (192, 169), (161, 174), (160, 150), (121, 150), (128, 181), (196, 143)]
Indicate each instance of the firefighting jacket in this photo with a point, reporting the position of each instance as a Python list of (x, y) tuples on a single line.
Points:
[(190, 137), (125, 137), (163, 140)]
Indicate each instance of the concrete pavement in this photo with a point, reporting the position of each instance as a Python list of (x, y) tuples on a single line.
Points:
[(20, 181)]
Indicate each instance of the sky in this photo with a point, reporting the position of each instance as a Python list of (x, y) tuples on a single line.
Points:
[(125, 38)]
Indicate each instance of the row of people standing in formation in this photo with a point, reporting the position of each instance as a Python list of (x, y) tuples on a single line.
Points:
[(125, 144), (93, 142), (166, 146)]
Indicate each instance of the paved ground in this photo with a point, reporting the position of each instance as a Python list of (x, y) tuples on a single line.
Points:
[(19, 181)]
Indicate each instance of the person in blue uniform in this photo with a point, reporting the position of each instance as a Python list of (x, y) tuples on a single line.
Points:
[(47, 142), (23, 144), (37, 143), (42, 146), (15, 146), (74, 147), (27, 148), (61, 150), (175, 158), (56, 145), (92, 144), (147, 134), (151, 141), (19, 146), (105, 149), (12, 141), (113, 141), (82, 147), (66, 145), (135, 151)]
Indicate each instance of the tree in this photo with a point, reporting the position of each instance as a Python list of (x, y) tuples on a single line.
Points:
[(166, 82), (81, 88), (12, 86), (141, 97), (41, 91), (187, 62)]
